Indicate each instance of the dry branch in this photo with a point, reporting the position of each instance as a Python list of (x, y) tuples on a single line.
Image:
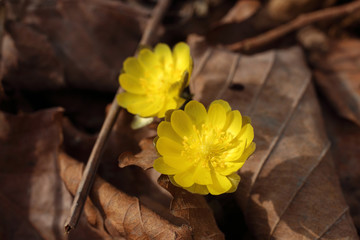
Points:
[(303, 20), (94, 159)]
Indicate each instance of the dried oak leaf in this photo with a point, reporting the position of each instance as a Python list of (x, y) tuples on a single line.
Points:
[(194, 209), (338, 75), (123, 216), (132, 180), (242, 10), (90, 40), (270, 15), (33, 200), (345, 142), (144, 159), (190, 207), (289, 188), (29, 60)]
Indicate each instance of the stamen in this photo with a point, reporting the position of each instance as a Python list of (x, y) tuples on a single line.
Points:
[(209, 146)]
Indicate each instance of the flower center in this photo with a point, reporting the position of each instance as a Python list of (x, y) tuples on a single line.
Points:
[(209, 147), (168, 81)]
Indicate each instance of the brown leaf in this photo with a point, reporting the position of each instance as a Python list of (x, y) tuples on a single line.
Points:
[(33, 200), (143, 159), (86, 42), (194, 209), (78, 144), (29, 60), (286, 10), (289, 185), (131, 180), (338, 76), (123, 216), (270, 15), (241, 11), (191, 207), (345, 139)]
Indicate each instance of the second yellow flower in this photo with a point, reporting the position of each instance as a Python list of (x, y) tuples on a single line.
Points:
[(154, 81)]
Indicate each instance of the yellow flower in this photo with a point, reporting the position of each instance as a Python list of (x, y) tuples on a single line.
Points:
[(201, 150), (154, 81)]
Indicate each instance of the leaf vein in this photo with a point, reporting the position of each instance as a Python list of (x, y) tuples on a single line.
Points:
[(321, 156), (278, 136)]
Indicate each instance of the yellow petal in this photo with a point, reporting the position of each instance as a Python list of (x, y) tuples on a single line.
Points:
[(133, 67), (247, 152), (199, 189), (170, 105), (196, 112), (202, 175), (154, 75), (160, 166), (164, 54), (182, 56), (175, 88), (217, 115), (235, 153), (185, 178), (182, 124), (223, 103), (221, 184), (247, 134), (230, 168), (153, 69), (165, 130), (177, 162), (131, 84), (179, 102), (234, 179), (168, 147), (234, 122), (125, 99), (148, 108), (148, 59)]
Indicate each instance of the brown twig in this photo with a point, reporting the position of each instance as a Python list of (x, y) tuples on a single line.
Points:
[(94, 159), (303, 20)]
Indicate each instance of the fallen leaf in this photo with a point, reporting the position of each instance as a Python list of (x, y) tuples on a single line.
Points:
[(194, 209), (143, 159), (269, 15), (287, 10), (86, 42), (131, 180), (338, 76), (123, 215), (289, 184), (242, 10), (29, 61), (345, 142), (240, 16), (34, 201), (190, 207)]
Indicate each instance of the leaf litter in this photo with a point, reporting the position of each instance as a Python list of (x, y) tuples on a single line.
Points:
[(290, 181), (287, 187), (34, 201)]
